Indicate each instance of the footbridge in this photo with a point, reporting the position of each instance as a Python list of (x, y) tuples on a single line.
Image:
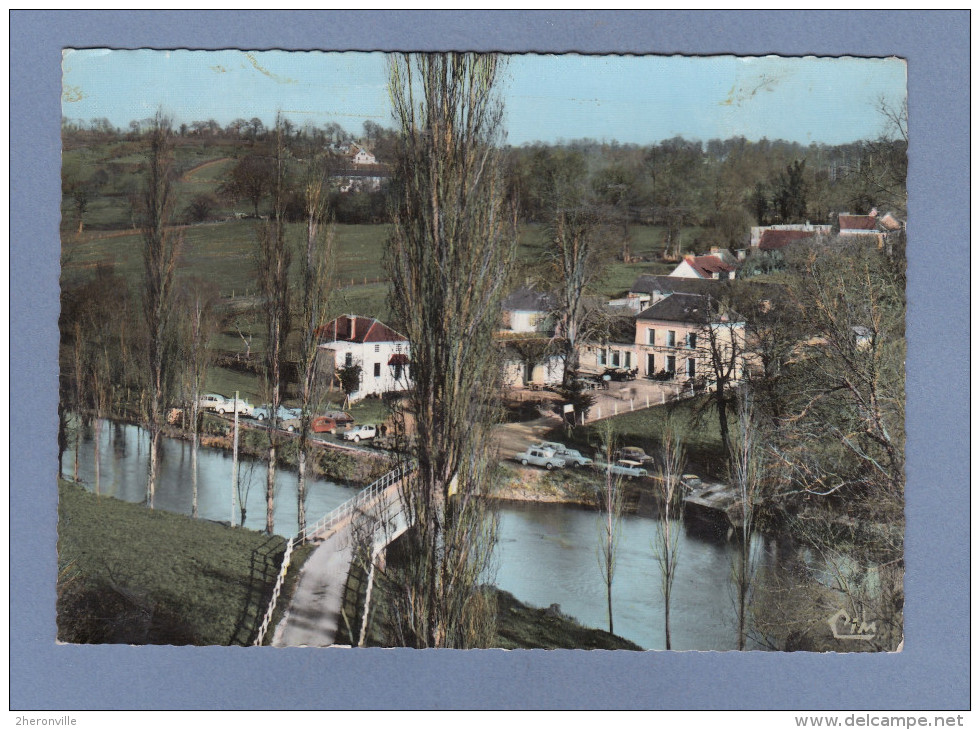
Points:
[(372, 520)]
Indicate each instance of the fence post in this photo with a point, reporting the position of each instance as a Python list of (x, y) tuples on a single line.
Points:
[(648, 400), (631, 404), (663, 396), (615, 409)]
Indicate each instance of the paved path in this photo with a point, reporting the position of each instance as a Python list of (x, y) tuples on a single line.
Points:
[(314, 614)]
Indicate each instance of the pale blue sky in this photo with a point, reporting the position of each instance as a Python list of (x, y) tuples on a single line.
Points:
[(639, 99)]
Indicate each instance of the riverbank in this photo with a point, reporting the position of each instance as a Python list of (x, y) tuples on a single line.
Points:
[(132, 575)]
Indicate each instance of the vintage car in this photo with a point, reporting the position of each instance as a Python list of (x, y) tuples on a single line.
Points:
[(221, 404), (540, 457)]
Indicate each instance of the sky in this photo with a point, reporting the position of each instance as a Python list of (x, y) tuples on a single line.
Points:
[(548, 98)]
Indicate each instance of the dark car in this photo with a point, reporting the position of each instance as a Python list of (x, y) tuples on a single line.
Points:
[(620, 374)]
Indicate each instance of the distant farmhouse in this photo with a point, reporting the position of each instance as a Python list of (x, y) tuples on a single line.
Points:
[(382, 354), (711, 266), (773, 238)]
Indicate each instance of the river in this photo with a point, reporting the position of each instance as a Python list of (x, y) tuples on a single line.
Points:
[(546, 553)]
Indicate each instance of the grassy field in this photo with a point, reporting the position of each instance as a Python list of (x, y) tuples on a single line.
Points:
[(133, 575)]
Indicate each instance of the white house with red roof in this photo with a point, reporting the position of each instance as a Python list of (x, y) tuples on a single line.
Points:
[(382, 353), (711, 266)]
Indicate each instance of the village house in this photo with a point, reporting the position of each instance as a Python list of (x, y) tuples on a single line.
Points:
[(527, 310), (648, 289), (711, 266), (675, 338), (382, 354), (771, 238), (618, 347), (360, 156)]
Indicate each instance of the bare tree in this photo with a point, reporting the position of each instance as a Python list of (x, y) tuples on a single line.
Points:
[(745, 470), (610, 517), (161, 248), (200, 323), (446, 257), (665, 544), (273, 268), (720, 347), (316, 272)]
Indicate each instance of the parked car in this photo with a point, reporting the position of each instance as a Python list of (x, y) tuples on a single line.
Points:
[(623, 468), (572, 457), (361, 433), (620, 374), (291, 424), (342, 419), (260, 413), (635, 453), (540, 457), (325, 424), (222, 405)]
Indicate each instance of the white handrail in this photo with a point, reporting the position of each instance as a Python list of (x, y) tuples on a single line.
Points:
[(329, 520), (348, 508), (266, 620)]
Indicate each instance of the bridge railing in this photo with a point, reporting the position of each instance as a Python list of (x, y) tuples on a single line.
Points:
[(277, 589), (352, 505), (324, 524)]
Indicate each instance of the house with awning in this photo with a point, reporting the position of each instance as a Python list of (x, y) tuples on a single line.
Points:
[(381, 352)]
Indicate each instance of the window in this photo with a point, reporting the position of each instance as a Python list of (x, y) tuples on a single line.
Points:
[(627, 359), (691, 367), (651, 337), (651, 364), (671, 338), (377, 348), (377, 369), (602, 356), (692, 340), (348, 359), (398, 348), (615, 358), (671, 366), (397, 368)]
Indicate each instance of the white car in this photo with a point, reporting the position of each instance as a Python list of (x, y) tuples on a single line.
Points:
[(572, 456), (540, 457), (222, 405), (360, 433), (623, 468)]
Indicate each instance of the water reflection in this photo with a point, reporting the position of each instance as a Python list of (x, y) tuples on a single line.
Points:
[(124, 457), (550, 554)]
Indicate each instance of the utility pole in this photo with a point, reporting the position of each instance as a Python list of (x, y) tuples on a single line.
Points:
[(234, 466)]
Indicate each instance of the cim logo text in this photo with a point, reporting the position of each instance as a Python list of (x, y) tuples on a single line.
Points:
[(846, 628)]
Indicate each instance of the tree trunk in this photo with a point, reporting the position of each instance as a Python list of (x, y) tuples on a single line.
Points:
[(270, 492), (301, 485), (154, 456), (194, 442), (97, 439)]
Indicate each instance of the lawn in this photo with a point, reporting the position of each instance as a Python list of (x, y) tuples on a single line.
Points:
[(128, 574)]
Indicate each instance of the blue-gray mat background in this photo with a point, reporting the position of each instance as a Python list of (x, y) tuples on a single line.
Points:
[(933, 670)]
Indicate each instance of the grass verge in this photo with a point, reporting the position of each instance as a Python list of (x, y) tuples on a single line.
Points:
[(131, 575)]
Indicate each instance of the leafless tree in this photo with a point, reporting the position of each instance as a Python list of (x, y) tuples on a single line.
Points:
[(745, 470), (720, 347), (610, 516), (317, 268), (273, 268), (670, 468), (446, 257), (161, 248), (200, 323)]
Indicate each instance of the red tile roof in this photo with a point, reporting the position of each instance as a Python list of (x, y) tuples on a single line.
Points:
[(708, 265), (857, 222), (351, 328), (775, 240)]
